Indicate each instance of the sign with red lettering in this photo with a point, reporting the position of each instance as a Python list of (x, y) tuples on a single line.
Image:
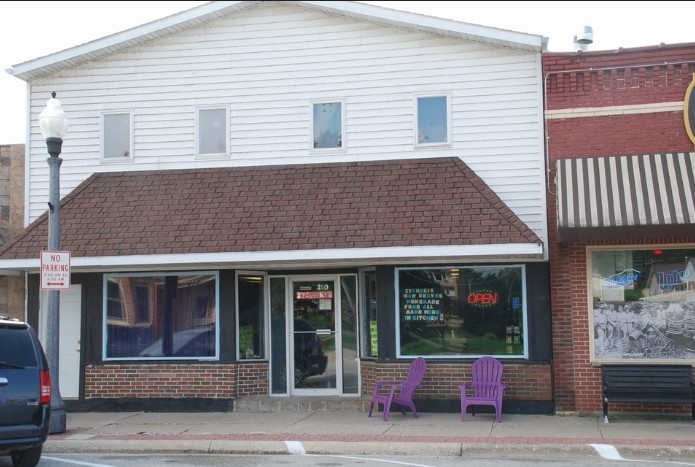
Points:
[(314, 295), (482, 298), (55, 270)]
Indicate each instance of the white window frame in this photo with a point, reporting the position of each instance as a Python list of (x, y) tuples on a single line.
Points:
[(126, 157), (343, 127), (212, 155), (416, 125)]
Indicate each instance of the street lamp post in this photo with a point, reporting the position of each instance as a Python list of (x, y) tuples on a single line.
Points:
[(53, 127)]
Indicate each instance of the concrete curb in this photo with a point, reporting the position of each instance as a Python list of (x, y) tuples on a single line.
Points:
[(348, 448)]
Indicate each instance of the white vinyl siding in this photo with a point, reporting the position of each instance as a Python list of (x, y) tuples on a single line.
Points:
[(266, 63)]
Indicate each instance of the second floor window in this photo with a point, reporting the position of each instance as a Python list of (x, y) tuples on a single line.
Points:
[(327, 124), (212, 132), (116, 136), (432, 120)]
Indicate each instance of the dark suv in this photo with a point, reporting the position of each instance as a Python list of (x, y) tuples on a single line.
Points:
[(25, 393)]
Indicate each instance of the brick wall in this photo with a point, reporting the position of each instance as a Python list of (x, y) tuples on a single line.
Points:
[(617, 135), (649, 76), (113, 381), (626, 82), (442, 379), (186, 380), (594, 87), (253, 379)]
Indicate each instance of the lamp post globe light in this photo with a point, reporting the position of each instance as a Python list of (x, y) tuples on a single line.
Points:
[(54, 125)]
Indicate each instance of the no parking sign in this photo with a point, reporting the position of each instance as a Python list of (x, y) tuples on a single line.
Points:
[(55, 270)]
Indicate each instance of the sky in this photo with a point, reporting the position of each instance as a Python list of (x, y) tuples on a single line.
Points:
[(33, 29)]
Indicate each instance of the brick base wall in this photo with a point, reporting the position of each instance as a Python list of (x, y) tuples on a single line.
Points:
[(113, 381), (214, 381), (442, 379), (253, 379), (185, 380)]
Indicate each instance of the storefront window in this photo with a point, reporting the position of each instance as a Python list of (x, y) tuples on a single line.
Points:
[(643, 304), (250, 303), (368, 334), (348, 329), (160, 316), (462, 311), (278, 331)]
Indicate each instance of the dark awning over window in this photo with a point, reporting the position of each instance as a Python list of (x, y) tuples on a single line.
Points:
[(637, 194)]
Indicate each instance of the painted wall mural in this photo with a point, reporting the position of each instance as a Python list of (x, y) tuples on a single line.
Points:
[(643, 304)]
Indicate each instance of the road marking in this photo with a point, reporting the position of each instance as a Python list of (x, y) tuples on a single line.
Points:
[(295, 447), (607, 451), (74, 462), (610, 452), (385, 461)]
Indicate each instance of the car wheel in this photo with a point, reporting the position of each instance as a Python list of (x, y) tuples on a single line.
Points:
[(28, 457)]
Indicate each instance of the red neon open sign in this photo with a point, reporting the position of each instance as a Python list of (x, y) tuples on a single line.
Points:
[(482, 298)]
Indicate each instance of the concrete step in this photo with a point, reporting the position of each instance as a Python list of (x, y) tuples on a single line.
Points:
[(301, 404)]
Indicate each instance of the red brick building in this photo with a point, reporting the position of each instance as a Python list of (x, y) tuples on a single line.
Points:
[(620, 215)]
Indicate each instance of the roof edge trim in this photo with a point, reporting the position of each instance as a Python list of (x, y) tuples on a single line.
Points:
[(527, 250)]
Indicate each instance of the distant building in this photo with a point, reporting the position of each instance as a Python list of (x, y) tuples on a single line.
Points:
[(12, 291)]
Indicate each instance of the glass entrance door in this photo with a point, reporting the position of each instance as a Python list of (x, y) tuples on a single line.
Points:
[(315, 343)]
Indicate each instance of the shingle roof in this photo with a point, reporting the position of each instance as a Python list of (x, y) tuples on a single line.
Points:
[(398, 203)]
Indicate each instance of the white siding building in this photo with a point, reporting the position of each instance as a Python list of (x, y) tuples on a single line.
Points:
[(280, 164)]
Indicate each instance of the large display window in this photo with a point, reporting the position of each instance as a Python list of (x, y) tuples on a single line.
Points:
[(642, 304), (161, 316), (462, 311)]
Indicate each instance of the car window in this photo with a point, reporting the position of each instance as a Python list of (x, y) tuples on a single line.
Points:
[(16, 347)]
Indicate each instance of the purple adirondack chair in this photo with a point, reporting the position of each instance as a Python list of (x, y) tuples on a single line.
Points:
[(399, 392), (486, 385)]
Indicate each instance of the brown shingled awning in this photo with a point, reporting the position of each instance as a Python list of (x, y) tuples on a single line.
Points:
[(626, 196), (279, 211)]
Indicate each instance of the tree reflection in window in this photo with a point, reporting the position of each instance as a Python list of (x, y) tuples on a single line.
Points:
[(161, 316), (469, 311)]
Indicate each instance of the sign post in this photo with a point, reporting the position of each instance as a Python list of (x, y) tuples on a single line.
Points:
[(55, 270)]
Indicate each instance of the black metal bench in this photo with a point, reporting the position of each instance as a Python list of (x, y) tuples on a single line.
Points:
[(648, 383)]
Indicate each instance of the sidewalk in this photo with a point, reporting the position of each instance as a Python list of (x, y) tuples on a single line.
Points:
[(354, 433)]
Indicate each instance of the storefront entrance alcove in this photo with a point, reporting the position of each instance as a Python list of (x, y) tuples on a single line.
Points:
[(314, 335)]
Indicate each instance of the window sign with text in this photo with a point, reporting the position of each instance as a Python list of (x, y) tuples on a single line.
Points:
[(462, 311), (643, 304)]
